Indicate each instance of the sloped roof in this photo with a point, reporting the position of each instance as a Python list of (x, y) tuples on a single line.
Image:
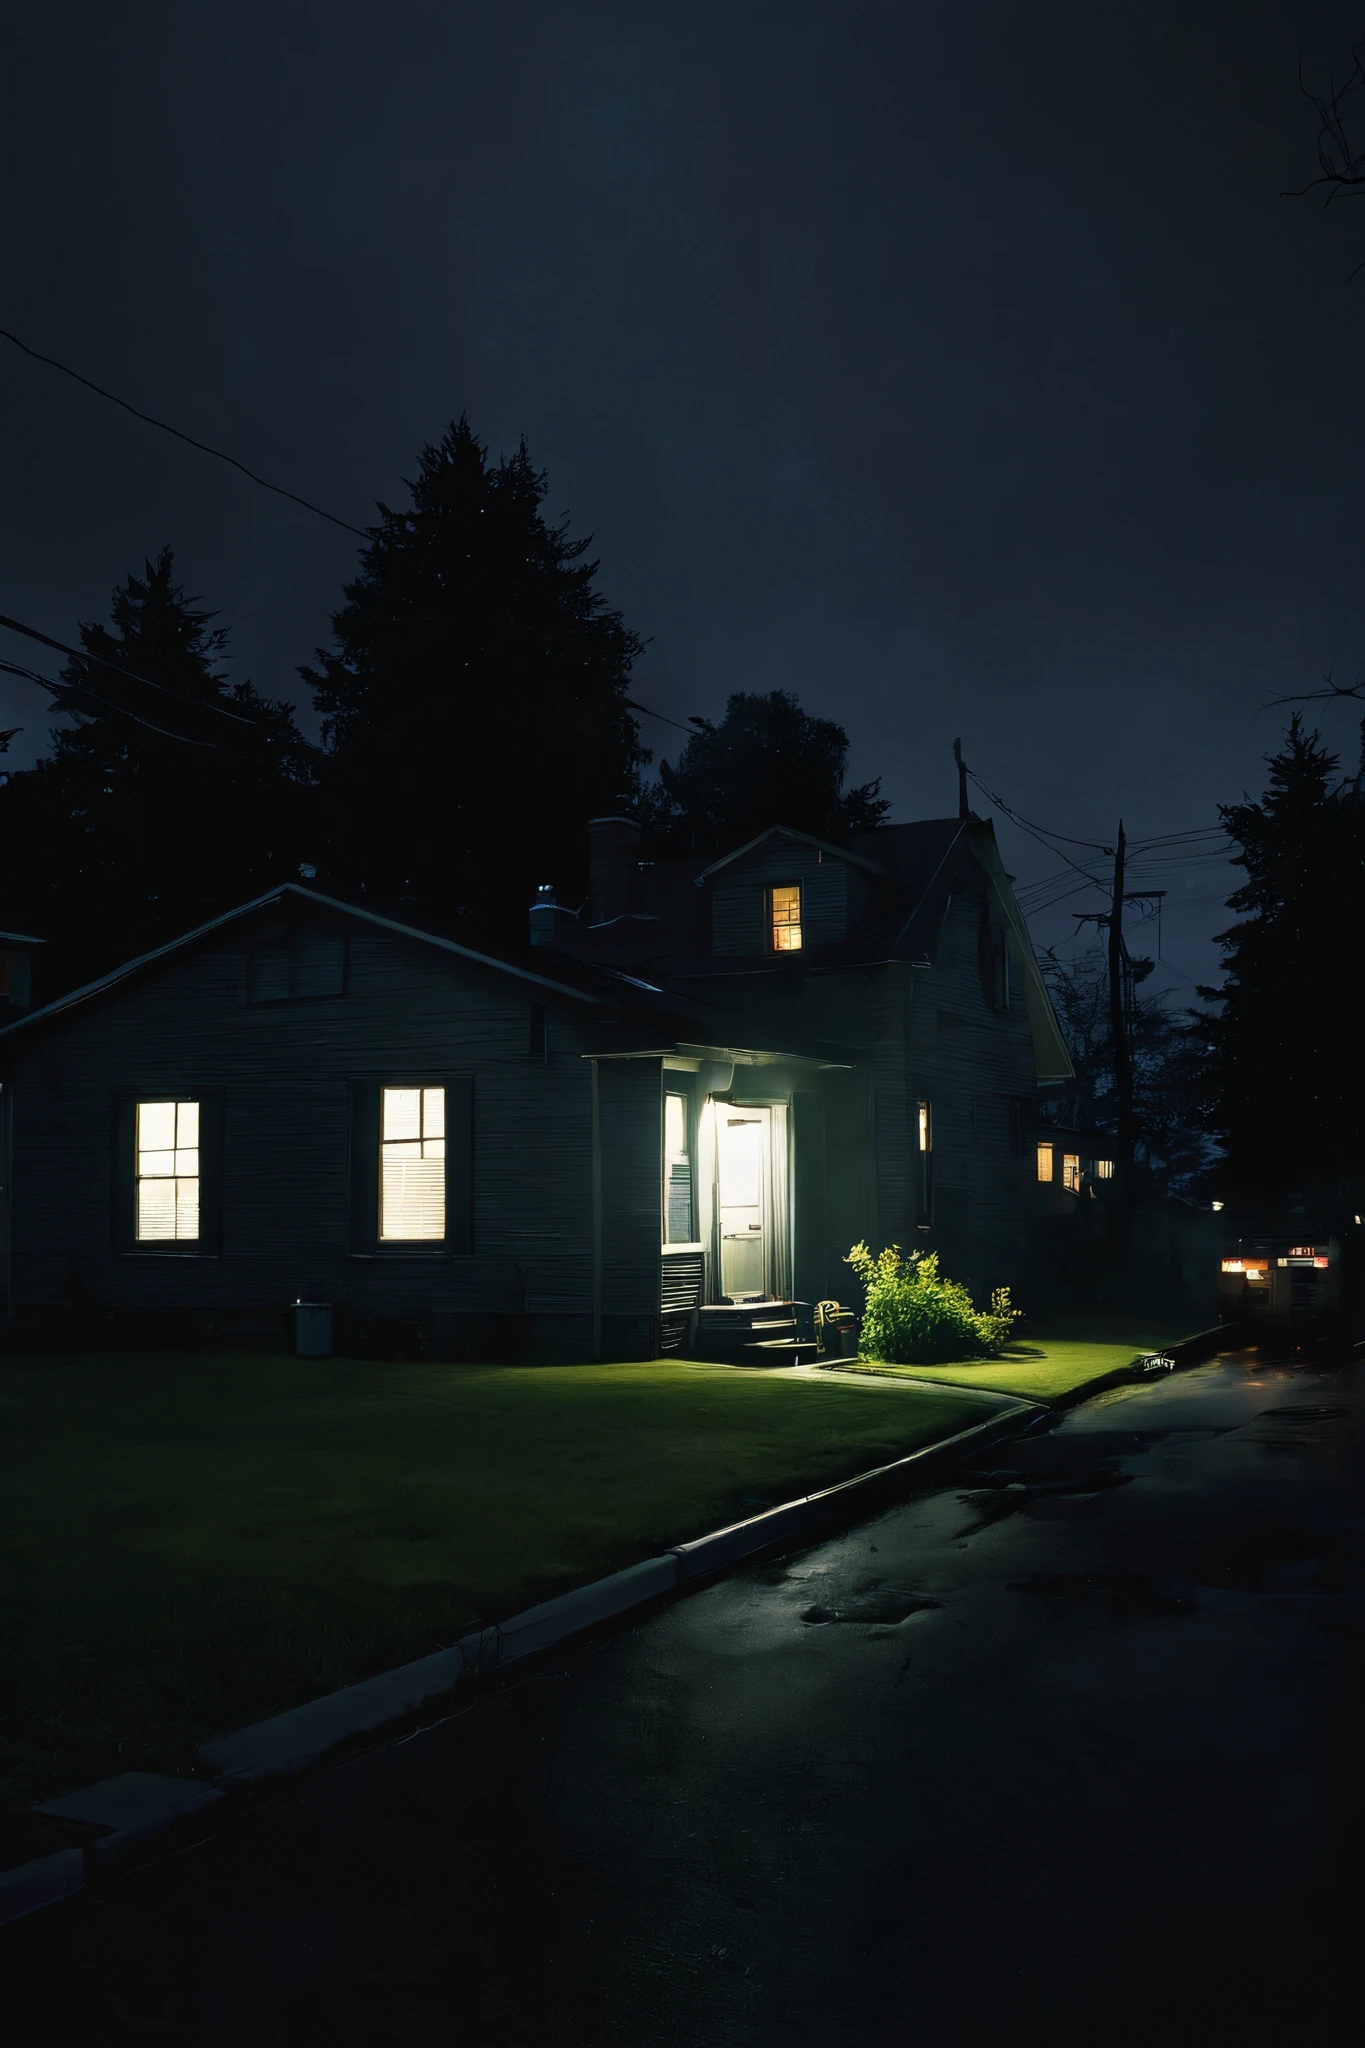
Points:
[(629, 1005), (789, 832), (295, 892)]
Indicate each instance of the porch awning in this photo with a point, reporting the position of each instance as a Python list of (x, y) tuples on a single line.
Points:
[(729, 1055)]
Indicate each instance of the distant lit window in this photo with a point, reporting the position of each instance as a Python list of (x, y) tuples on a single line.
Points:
[(924, 1193), (1104, 1169), (167, 1172), (1045, 1162), (412, 1177), (786, 917), (678, 1224), (1071, 1172)]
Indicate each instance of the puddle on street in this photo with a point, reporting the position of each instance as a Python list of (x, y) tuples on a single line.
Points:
[(877, 1607)]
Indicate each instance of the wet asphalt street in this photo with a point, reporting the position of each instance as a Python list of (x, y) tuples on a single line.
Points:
[(1066, 1752)]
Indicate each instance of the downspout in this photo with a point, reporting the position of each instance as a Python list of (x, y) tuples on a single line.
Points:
[(596, 1215)]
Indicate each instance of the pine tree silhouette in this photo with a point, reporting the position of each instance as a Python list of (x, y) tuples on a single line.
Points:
[(472, 701), (124, 836), (1286, 1077)]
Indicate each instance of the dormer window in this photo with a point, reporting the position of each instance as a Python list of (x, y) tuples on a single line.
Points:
[(784, 917)]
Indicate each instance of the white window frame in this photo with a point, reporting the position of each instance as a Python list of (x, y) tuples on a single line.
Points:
[(173, 1167), (794, 925), (400, 1149)]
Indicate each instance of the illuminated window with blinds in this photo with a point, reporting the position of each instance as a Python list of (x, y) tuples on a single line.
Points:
[(784, 908), (167, 1168), (412, 1165), (1071, 1172), (1104, 1169), (678, 1224), (1045, 1162)]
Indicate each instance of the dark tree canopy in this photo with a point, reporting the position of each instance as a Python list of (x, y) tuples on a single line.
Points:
[(126, 836), (1286, 1076), (473, 701), (767, 762)]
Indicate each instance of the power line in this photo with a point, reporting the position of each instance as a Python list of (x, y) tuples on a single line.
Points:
[(61, 691), (189, 439), (1035, 833), (631, 704), (1093, 844), (128, 675), (264, 482)]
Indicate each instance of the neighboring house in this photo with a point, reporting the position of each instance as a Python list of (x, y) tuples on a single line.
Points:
[(705, 1086), (1073, 1167), (16, 975)]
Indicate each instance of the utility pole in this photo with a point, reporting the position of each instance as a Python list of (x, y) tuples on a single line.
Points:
[(1118, 1028), (961, 779)]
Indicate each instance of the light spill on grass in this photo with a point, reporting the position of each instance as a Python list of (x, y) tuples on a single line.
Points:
[(1044, 1368), (190, 1544)]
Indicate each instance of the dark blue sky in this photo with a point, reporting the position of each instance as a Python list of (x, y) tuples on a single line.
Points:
[(956, 366)]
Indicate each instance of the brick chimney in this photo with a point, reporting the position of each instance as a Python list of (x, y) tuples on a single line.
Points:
[(613, 856)]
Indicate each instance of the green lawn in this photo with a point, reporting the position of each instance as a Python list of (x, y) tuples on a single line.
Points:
[(190, 1544), (1047, 1367)]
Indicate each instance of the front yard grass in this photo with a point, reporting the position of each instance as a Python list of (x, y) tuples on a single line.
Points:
[(1045, 1367), (191, 1544)]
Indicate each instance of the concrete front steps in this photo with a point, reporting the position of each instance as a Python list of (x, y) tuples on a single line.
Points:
[(754, 1333)]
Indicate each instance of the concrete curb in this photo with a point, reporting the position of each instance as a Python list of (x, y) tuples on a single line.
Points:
[(1189, 1351), (127, 1819)]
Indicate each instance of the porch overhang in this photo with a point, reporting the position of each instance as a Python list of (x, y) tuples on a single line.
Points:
[(729, 1055)]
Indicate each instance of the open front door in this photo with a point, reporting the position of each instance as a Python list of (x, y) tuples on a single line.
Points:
[(744, 1200)]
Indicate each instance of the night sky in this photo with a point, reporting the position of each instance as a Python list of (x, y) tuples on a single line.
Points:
[(957, 366)]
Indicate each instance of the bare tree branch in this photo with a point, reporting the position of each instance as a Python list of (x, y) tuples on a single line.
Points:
[(1340, 163), (1333, 691)]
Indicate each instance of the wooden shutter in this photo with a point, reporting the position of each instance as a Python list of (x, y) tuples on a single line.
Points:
[(364, 1166), (460, 1163)]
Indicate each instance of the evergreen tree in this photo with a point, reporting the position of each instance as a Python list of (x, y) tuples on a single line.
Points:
[(1285, 1073), (767, 762), (473, 702), (152, 814)]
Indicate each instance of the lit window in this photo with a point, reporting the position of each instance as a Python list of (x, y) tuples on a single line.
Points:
[(1071, 1172), (678, 1225), (924, 1193), (1104, 1169), (412, 1177), (167, 1172), (786, 918), (1045, 1162)]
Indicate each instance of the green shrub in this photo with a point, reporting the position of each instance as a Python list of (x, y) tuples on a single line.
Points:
[(915, 1317)]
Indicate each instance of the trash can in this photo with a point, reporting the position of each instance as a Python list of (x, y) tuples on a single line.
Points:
[(312, 1329)]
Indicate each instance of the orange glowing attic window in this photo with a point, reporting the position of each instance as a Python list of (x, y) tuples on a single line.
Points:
[(785, 915)]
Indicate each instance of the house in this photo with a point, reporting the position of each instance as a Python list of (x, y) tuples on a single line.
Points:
[(692, 1093), (16, 974), (1074, 1168)]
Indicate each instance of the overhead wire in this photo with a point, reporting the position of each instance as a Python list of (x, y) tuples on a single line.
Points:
[(150, 420), (60, 691), (221, 455), (127, 674)]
